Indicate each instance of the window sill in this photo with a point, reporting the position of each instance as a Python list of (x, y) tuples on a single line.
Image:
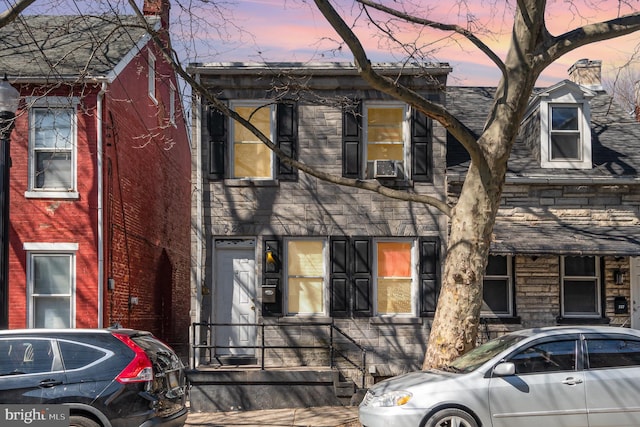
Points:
[(251, 182), (506, 320), (302, 319), (395, 320), (583, 320), (70, 195)]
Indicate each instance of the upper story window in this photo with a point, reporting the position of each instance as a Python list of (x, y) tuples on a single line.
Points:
[(565, 129), (580, 286), (386, 141), (152, 77), (385, 135), (52, 148), (236, 153), (250, 157), (497, 295)]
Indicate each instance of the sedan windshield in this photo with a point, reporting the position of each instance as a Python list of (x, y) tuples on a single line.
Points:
[(479, 355)]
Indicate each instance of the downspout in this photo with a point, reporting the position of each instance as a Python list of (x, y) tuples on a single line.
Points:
[(100, 222), (196, 303)]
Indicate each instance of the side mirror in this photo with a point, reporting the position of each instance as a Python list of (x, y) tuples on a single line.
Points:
[(504, 369)]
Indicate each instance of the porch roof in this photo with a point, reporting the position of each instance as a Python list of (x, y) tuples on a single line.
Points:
[(560, 239)]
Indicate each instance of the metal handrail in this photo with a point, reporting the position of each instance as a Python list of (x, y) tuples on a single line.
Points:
[(332, 348)]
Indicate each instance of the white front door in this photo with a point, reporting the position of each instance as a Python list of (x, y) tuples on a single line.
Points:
[(234, 301), (635, 292)]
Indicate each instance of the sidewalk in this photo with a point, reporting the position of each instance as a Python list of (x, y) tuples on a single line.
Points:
[(332, 416)]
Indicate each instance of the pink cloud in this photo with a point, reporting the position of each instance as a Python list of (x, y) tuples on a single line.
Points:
[(296, 31)]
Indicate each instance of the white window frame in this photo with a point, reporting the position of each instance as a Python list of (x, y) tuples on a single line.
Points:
[(598, 296), (232, 126), (50, 249), (509, 279), (415, 259), (172, 104), (584, 119), (49, 103), (152, 77), (325, 275), (405, 171)]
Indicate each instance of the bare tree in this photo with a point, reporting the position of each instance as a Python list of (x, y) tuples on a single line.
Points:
[(532, 49)]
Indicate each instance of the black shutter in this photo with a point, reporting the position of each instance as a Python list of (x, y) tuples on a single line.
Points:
[(362, 277), (287, 139), (429, 275), (217, 127), (339, 287), (272, 275), (352, 141), (421, 146)]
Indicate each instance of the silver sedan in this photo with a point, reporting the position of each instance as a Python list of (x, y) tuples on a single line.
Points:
[(551, 377)]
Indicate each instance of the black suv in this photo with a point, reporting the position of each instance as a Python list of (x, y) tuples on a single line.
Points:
[(106, 377)]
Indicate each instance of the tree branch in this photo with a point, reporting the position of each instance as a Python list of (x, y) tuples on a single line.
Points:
[(440, 26), (197, 87), (14, 11), (388, 86), (554, 48)]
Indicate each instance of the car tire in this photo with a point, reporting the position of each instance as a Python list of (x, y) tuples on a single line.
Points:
[(80, 421), (451, 417)]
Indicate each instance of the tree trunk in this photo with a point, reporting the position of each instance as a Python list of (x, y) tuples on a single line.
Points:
[(458, 311)]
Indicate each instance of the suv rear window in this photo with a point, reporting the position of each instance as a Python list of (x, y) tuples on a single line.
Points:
[(25, 356), (76, 356)]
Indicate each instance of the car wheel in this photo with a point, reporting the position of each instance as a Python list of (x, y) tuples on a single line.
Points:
[(451, 417), (80, 421)]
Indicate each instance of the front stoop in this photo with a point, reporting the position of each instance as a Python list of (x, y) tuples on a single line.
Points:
[(245, 389)]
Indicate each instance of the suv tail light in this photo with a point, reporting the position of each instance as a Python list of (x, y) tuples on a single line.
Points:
[(140, 368)]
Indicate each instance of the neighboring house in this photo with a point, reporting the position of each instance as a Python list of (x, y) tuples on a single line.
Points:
[(100, 177), (280, 253), (566, 242)]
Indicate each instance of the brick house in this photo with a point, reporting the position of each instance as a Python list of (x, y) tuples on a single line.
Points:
[(280, 254), (567, 236), (99, 200)]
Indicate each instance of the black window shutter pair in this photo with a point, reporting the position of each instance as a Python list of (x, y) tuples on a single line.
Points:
[(352, 144), (286, 139), (351, 280)]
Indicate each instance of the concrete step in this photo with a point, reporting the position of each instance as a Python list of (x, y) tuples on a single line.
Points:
[(242, 389)]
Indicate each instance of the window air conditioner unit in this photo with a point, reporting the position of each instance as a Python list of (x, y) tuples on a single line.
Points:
[(385, 169)]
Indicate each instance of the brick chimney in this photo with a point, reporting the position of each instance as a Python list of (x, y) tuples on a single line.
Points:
[(587, 73), (158, 8)]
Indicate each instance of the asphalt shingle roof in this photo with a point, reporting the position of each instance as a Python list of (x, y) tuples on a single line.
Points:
[(67, 46), (615, 138)]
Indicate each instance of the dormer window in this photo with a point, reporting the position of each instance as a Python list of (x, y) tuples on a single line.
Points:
[(565, 133), (565, 141)]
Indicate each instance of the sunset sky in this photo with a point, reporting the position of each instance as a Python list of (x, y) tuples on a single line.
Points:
[(294, 30)]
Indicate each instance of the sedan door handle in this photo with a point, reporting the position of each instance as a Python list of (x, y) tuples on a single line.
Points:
[(572, 381), (50, 383)]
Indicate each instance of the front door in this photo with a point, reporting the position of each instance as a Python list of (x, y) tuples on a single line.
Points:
[(234, 300), (635, 292)]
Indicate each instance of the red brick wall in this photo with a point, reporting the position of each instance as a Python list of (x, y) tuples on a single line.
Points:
[(146, 178), (54, 220), (147, 204)]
